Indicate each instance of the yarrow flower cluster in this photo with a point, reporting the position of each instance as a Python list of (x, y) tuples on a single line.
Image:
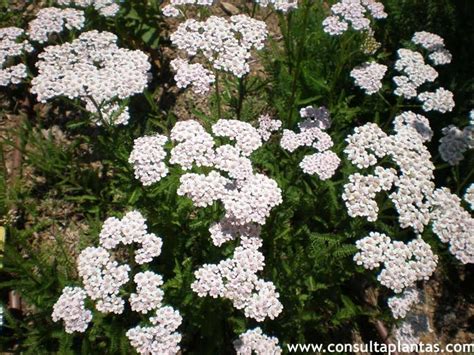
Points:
[(324, 163), (236, 279), (453, 224), (149, 295), (161, 337), (247, 198), (103, 278), (94, 69), (434, 44), (12, 46), (414, 183), (414, 73), (401, 305), (469, 196), (107, 8), (54, 20), (280, 5), (441, 100), (266, 126), (225, 43), (194, 75), (403, 264), (369, 76), (147, 157), (172, 9), (71, 309), (353, 13), (254, 341), (455, 142)]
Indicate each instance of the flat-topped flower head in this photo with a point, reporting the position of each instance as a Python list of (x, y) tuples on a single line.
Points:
[(51, 20), (107, 8), (94, 68)]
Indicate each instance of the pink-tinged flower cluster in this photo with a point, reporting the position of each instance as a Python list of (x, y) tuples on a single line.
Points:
[(453, 224), (95, 70), (253, 341), (225, 43), (148, 159), (280, 5), (107, 8), (103, 278), (413, 184), (324, 163), (434, 44), (159, 338), (401, 305), (402, 264), (195, 75), (11, 47), (54, 20), (71, 309), (236, 278), (369, 76), (352, 13), (173, 9)]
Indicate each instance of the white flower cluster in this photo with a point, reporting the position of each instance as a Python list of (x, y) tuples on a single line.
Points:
[(413, 185), (455, 142), (322, 164), (369, 76), (11, 47), (280, 5), (325, 162), (247, 139), (149, 295), (147, 157), (228, 229), (267, 125), (195, 145), (353, 12), (102, 278), (91, 67), (172, 10), (236, 279), (107, 8), (360, 193), (441, 100), (403, 264), (434, 44), (54, 20), (469, 196), (253, 341), (71, 309), (161, 337), (416, 121), (131, 229), (401, 305), (415, 72), (247, 198), (453, 224), (226, 44), (195, 75)]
